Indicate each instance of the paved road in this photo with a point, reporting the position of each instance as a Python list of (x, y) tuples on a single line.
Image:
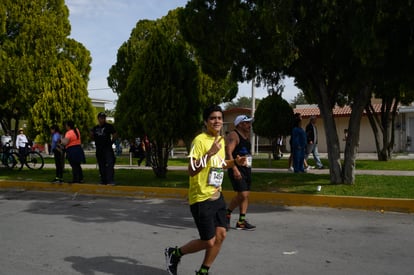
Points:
[(59, 233)]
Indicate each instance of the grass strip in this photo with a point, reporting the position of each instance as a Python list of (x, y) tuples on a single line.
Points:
[(365, 185)]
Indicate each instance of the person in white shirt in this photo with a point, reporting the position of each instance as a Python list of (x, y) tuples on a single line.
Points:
[(21, 142)]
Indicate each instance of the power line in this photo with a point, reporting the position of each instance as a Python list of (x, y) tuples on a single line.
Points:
[(98, 89)]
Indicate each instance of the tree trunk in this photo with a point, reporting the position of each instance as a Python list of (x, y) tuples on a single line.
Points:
[(351, 147), (159, 158), (332, 139), (373, 121), (386, 124)]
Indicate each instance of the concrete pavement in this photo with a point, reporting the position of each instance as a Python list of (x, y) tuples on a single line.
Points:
[(45, 233)]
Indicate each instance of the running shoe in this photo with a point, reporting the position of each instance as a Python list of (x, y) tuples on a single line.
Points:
[(171, 260), (245, 226)]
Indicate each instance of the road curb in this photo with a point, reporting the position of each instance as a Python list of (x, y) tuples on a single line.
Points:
[(286, 199)]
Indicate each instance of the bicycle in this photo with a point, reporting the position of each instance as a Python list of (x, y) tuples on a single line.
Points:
[(32, 159), (8, 159)]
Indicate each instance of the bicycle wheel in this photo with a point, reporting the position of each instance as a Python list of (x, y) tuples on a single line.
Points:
[(12, 160), (34, 160)]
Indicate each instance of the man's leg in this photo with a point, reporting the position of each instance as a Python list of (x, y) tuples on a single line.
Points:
[(213, 249), (101, 166), (109, 166), (316, 157)]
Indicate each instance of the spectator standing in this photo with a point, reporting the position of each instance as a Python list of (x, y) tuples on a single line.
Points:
[(238, 144), (207, 205), (58, 153), (147, 151), (118, 147), (74, 152), (312, 142), (290, 161), (298, 146), (104, 135), (141, 152), (21, 143)]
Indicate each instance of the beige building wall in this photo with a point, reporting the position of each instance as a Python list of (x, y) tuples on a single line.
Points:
[(403, 132), (366, 140)]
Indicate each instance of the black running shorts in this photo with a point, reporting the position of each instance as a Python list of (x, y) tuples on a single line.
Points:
[(208, 215), (241, 185)]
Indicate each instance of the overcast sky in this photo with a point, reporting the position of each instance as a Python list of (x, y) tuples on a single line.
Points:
[(103, 25)]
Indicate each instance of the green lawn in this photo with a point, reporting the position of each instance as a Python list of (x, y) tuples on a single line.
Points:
[(365, 185)]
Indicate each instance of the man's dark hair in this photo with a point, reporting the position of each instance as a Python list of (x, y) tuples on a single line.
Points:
[(297, 120), (211, 109)]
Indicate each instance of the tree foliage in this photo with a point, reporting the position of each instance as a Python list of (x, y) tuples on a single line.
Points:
[(273, 118), (299, 99), (162, 89), (333, 49), (64, 97), (34, 48), (242, 102), (393, 81), (164, 81)]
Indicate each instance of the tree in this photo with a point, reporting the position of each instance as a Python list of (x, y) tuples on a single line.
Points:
[(159, 81), (299, 99), (332, 49), (393, 81), (34, 45), (64, 97), (30, 34), (164, 80), (273, 119), (242, 102), (127, 55)]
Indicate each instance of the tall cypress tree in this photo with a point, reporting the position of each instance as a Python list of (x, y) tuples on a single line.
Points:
[(34, 44)]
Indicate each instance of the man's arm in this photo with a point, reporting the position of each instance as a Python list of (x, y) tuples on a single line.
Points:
[(114, 136), (232, 140), (231, 143)]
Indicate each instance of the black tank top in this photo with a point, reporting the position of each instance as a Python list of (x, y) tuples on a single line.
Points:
[(243, 148)]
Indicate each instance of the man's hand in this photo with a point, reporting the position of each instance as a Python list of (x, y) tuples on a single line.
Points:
[(215, 147), (241, 161)]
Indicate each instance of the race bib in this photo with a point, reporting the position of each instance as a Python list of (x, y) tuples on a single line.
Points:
[(249, 160), (215, 177)]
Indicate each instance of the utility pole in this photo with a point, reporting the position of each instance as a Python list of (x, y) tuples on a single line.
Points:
[(252, 135)]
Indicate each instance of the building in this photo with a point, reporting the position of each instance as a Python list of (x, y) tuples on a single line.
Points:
[(404, 129), (404, 126), (99, 105)]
